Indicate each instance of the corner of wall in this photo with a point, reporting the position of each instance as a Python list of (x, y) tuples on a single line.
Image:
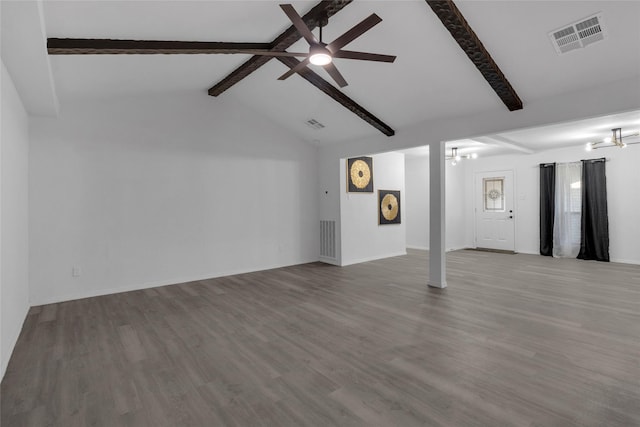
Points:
[(14, 246), (362, 238)]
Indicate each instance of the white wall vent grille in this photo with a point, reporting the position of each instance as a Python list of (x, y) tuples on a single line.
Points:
[(578, 34), (328, 239)]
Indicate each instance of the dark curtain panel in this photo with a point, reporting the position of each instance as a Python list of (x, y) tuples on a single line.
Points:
[(547, 207), (594, 239)]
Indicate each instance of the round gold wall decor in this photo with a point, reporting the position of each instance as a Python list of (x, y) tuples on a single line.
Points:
[(389, 207), (360, 174)]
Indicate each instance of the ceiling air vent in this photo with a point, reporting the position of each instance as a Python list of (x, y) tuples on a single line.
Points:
[(578, 34), (314, 124)]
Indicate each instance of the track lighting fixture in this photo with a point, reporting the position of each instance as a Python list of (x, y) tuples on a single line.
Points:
[(615, 140), (455, 157)]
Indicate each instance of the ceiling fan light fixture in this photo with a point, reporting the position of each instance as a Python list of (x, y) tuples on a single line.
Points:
[(319, 55), (320, 59)]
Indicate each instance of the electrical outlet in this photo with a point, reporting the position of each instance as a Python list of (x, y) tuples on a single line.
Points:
[(75, 272)]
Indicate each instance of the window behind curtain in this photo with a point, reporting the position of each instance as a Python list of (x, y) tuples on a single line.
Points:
[(568, 210)]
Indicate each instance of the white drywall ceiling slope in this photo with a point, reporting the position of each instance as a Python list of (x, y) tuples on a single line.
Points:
[(23, 52), (431, 79)]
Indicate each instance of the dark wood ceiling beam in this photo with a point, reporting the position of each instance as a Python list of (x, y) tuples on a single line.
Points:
[(454, 21), (56, 46), (282, 42), (338, 96)]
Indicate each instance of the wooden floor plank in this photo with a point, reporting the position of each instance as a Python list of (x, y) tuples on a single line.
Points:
[(515, 340)]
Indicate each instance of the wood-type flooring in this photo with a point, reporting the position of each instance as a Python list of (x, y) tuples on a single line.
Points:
[(515, 340)]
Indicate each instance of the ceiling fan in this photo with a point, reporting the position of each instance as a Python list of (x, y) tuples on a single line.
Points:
[(320, 53), (615, 140)]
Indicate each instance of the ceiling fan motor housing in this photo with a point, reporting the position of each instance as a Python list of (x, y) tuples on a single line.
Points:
[(319, 54)]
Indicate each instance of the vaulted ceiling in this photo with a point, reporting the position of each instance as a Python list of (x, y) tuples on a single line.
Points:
[(432, 77)]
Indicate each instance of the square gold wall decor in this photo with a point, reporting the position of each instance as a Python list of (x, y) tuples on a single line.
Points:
[(389, 207), (360, 175)]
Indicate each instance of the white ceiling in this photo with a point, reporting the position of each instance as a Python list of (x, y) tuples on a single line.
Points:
[(550, 137), (432, 78)]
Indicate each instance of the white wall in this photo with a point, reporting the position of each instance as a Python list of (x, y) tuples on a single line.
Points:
[(417, 202), (623, 176), (362, 238), (329, 171), (14, 235), (609, 98), (160, 190), (623, 200), (456, 202)]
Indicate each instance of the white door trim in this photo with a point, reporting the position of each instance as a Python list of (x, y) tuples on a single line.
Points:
[(477, 199)]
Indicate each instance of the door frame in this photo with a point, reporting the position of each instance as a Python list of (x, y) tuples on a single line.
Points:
[(477, 185)]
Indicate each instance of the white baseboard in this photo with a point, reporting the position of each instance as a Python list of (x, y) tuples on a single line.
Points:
[(373, 258), (213, 275), (331, 261), (626, 261), (527, 252), (618, 260), (424, 248), (153, 284)]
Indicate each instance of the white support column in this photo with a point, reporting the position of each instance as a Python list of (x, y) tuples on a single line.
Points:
[(437, 267)]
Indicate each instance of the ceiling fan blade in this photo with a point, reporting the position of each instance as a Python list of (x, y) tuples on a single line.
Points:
[(335, 74), (57, 46), (297, 22), (271, 53), (294, 70), (355, 32), (364, 56)]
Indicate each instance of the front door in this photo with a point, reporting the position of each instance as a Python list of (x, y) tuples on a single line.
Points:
[(495, 225)]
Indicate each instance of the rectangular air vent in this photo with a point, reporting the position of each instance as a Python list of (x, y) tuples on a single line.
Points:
[(578, 34), (314, 124), (328, 239)]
